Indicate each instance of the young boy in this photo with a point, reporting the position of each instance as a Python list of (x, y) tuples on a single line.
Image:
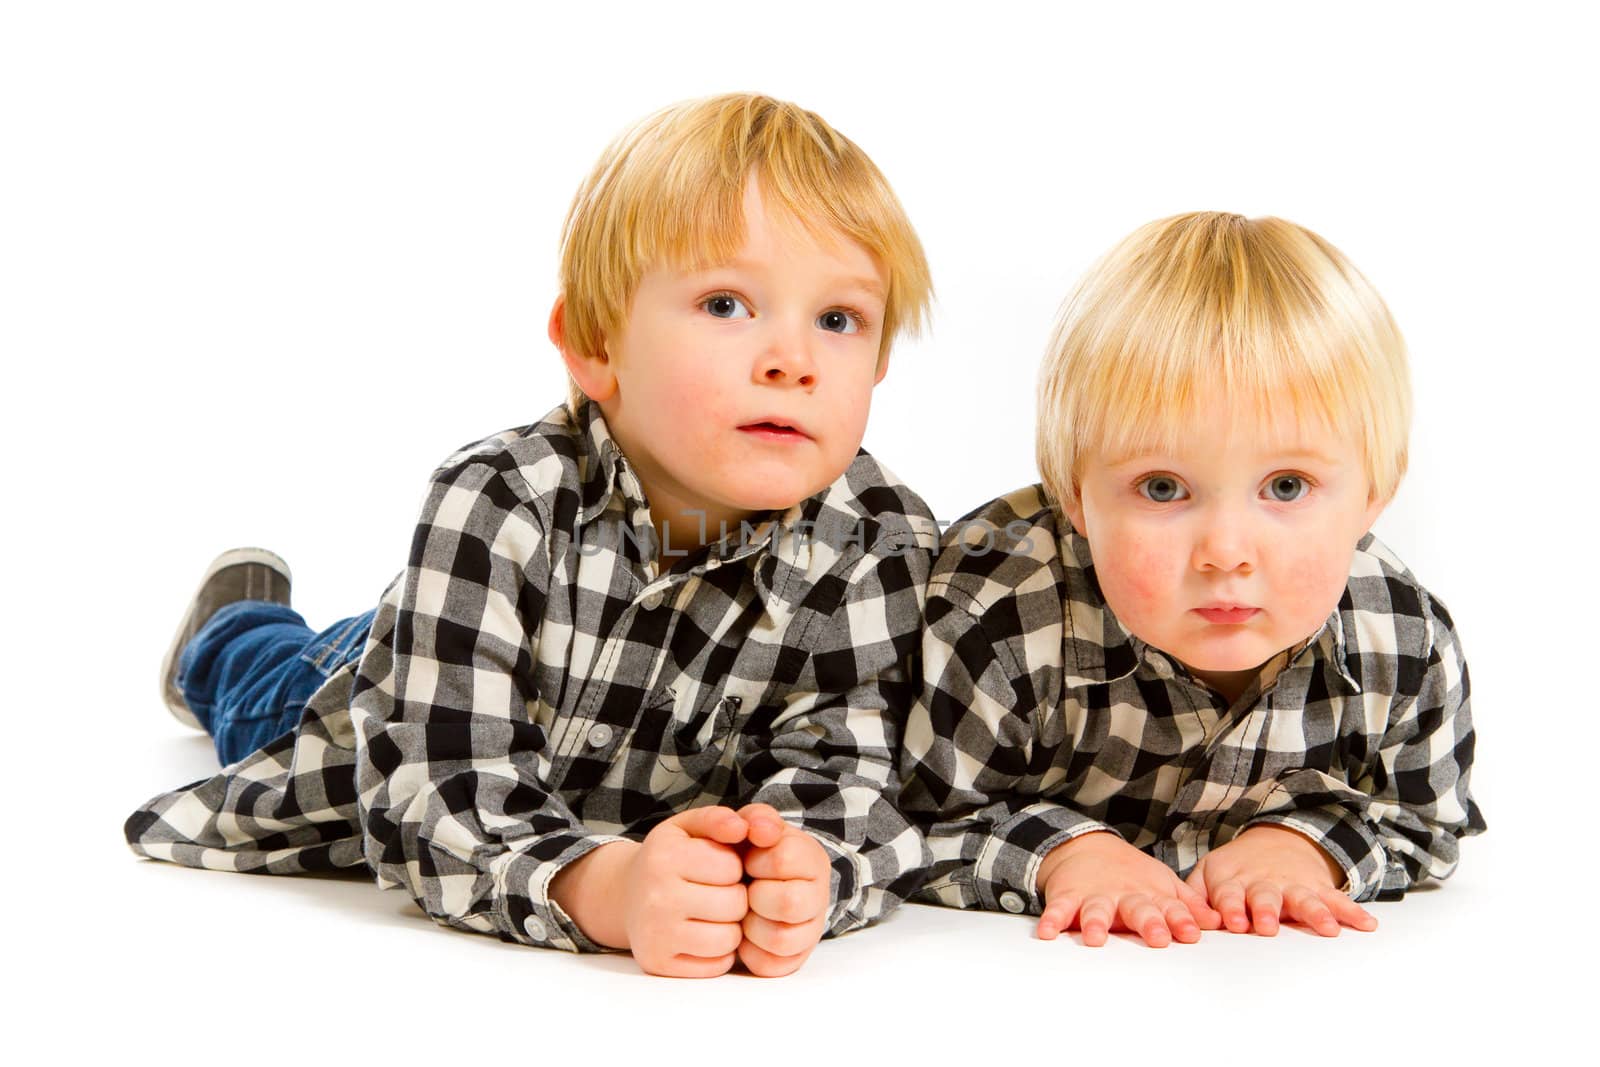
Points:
[(1180, 685), (636, 686)]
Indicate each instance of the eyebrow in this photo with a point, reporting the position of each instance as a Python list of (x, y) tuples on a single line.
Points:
[(1306, 453), (1139, 458), (870, 286), (861, 283)]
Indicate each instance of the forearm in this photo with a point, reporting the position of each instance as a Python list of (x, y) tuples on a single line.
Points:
[(1397, 817), (991, 857), (1382, 847), (590, 891), (470, 863)]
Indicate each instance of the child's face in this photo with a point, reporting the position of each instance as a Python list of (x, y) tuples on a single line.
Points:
[(1231, 549), (745, 387)]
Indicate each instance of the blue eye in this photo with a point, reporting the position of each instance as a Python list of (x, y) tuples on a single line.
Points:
[(725, 306), (838, 321), (1287, 488), (1162, 489)]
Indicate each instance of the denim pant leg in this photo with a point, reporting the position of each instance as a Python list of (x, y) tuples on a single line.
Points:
[(249, 670)]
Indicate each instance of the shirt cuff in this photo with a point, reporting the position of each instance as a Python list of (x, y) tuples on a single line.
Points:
[(846, 886), (525, 912), (1007, 870)]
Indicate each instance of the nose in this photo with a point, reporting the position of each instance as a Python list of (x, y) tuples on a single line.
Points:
[(1224, 542), (788, 360)]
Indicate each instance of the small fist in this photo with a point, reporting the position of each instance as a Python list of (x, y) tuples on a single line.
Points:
[(684, 896), (789, 889)]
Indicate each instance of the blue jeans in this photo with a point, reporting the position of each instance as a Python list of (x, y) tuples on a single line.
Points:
[(250, 669)]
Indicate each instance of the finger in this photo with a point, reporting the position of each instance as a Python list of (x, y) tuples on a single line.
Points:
[(1349, 912), (781, 939), (1094, 920), (792, 901), (1266, 906), (718, 903), (1194, 902), (705, 862), (796, 855), (763, 964), (1182, 924), (1228, 899), (1140, 915), (1302, 904), (705, 940), (716, 823), (683, 966), (1058, 915), (766, 826)]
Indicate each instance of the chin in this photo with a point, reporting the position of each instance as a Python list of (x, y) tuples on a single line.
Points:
[(1240, 658), (776, 495)]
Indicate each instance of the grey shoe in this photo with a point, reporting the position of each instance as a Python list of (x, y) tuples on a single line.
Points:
[(237, 574)]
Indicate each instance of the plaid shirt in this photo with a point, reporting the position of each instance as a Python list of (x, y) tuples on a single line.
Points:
[(1042, 719), (536, 686)]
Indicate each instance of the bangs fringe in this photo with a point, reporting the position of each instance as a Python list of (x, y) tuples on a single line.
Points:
[(1216, 318), (671, 191)]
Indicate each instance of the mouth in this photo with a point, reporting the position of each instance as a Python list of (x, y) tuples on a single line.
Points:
[(774, 430), (1227, 614)]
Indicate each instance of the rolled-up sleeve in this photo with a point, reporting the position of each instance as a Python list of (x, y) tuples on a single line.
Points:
[(828, 762), (1397, 819), (969, 758), (452, 768)]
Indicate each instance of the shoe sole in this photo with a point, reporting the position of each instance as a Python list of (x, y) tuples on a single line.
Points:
[(169, 662)]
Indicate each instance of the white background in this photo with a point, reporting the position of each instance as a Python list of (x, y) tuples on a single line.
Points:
[(262, 266)]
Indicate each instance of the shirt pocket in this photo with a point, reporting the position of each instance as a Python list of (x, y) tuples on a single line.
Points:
[(688, 727)]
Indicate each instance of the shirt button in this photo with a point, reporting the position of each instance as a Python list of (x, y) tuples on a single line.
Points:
[(651, 601), (1013, 902), (535, 927), (600, 736)]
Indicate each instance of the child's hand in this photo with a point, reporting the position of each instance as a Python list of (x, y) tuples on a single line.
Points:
[(790, 883), (684, 897), (1106, 884), (1277, 871)]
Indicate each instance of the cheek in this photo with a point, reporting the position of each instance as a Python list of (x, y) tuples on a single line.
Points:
[(691, 400), (1314, 580), (1136, 572)]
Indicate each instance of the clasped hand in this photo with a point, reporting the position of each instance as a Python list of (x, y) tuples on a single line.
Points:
[(710, 886)]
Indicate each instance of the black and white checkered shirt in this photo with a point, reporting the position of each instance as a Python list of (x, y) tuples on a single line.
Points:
[(1041, 719), (535, 686)]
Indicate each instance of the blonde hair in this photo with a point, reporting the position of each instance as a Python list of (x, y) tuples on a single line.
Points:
[(671, 190), (1259, 312)]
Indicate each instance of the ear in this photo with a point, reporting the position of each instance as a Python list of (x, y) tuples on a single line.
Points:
[(1375, 506), (1074, 512), (883, 368), (592, 373)]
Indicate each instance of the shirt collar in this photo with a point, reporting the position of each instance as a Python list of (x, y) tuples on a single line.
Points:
[(607, 479), (1099, 650), (786, 544), (1334, 643), (603, 471)]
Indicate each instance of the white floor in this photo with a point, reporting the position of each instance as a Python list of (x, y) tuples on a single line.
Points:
[(218, 963)]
